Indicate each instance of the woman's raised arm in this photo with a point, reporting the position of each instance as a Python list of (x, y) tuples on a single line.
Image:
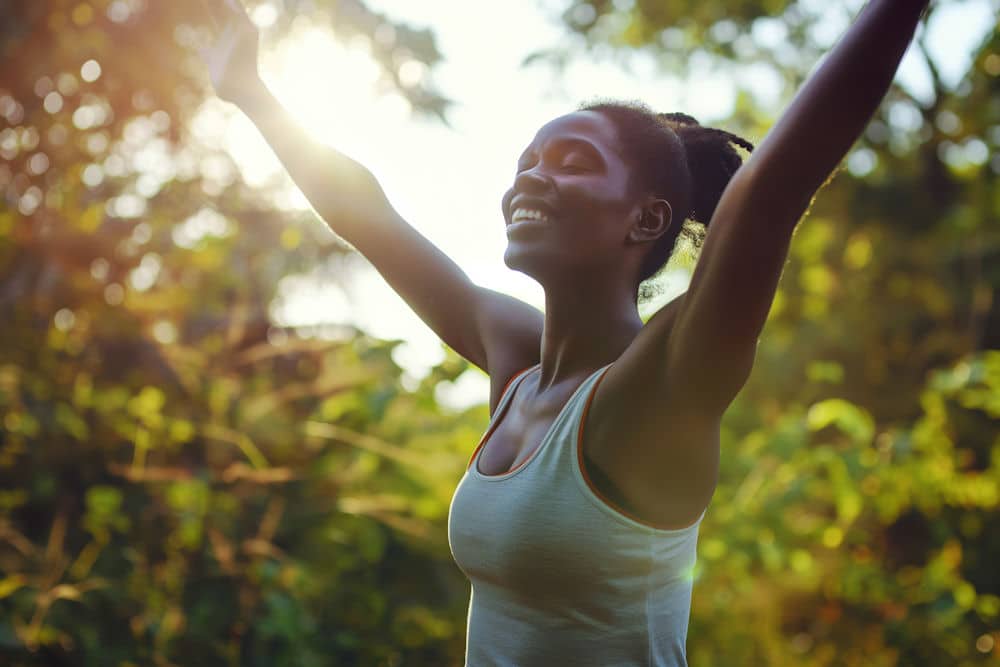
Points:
[(495, 332), (832, 108), (713, 342)]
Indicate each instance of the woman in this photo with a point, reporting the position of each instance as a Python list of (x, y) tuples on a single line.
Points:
[(577, 518)]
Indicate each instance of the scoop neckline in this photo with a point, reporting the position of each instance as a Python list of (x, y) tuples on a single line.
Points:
[(545, 439)]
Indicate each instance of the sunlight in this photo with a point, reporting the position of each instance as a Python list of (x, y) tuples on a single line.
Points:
[(332, 89), (337, 92)]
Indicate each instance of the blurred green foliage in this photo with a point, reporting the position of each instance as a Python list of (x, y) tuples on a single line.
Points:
[(181, 480), (184, 482)]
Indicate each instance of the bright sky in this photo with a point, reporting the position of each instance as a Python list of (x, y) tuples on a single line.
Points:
[(447, 182)]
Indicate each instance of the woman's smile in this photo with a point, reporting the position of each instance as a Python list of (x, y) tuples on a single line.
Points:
[(521, 214), (528, 216)]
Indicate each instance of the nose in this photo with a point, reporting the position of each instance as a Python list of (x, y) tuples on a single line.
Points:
[(532, 180), (528, 181)]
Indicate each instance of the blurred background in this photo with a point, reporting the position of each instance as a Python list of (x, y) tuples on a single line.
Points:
[(224, 441)]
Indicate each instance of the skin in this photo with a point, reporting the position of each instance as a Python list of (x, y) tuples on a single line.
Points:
[(588, 255), (653, 429)]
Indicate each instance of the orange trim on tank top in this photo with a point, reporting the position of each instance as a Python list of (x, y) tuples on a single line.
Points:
[(499, 417), (583, 469)]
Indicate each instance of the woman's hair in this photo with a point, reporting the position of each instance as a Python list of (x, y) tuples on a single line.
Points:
[(676, 159)]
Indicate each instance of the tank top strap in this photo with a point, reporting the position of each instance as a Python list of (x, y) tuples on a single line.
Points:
[(505, 397), (509, 388), (568, 425)]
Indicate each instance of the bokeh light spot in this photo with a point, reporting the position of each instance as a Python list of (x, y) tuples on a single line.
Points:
[(92, 175), (43, 86), (832, 537), (53, 102), (67, 84), (264, 15), (861, 162), (991, 64), (100, 268), (90, 71), (165, 332), (118, 11), (38, 163), (83, 14), (64, 319), (114, 294), (30, 200)]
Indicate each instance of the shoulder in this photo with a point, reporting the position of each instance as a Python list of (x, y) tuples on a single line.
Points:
[(643, 435)]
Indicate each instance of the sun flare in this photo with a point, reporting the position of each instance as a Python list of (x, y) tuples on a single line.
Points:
[(338, 93), (332, 88)]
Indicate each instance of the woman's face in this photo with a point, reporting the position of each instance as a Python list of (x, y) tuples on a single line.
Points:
[(572, 201)]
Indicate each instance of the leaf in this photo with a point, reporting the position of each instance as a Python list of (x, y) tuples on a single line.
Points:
[(9, 585), (853, 420)]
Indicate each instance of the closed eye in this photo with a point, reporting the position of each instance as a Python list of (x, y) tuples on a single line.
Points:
[(574, 163), (576, 160)]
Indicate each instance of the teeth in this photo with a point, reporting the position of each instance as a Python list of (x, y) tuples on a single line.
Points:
[(528, 214)]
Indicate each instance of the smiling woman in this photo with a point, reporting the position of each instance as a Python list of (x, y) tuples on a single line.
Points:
[(578, 516)]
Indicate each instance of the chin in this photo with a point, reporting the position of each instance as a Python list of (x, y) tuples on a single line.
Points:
[(539, 266), (518, 259)]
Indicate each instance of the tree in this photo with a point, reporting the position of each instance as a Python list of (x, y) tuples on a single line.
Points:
[(183, 481)]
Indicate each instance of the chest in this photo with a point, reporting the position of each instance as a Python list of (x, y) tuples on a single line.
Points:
[(538, 537), (610, 448), (524, 426), (518, 434)]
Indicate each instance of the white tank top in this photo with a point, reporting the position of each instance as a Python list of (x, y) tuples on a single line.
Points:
[(561, 576)]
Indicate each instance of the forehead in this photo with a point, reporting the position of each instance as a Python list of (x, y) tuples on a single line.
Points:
[(589, 126)]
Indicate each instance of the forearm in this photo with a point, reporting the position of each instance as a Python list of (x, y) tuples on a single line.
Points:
[(830, 111), (343, 192)]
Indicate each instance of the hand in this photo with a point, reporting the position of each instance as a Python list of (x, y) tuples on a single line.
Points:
[(231, 59)]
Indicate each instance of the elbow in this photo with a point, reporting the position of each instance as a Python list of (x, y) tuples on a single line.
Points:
[(355, 199)]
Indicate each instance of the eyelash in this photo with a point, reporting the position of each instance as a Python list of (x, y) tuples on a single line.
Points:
[(572, 168)]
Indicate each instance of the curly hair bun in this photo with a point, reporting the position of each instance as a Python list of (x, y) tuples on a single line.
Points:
[(679, 160), (711, 159)]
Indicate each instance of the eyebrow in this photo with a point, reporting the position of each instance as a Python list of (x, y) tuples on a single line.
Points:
[(568, 143)]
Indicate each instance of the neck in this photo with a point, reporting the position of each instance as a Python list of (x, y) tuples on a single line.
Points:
[(587, 325)]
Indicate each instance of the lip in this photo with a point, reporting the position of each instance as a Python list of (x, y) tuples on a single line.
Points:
[(514, 228)]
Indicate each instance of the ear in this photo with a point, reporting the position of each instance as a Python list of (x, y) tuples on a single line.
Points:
[(652, 223)]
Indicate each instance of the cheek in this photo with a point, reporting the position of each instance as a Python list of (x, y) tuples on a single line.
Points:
[(604, 196), (601, 212)]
